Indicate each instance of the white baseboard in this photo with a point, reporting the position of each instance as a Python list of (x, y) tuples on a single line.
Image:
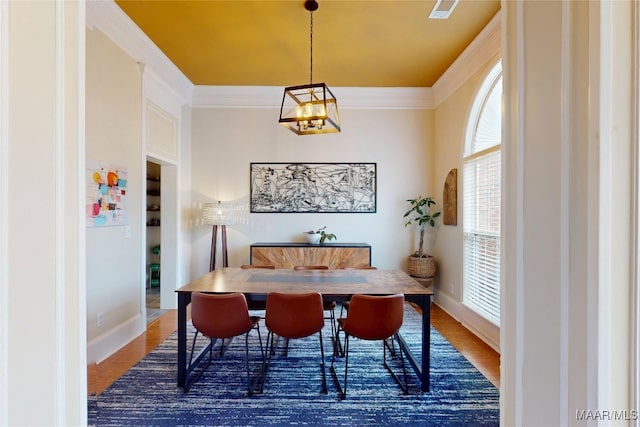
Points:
[(103, 346), (482, 328)]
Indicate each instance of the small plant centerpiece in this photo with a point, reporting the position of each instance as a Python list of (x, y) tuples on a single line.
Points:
[(420, 264), (319, 236)]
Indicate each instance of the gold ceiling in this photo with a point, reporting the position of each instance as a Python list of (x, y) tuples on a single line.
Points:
[(266, 43)]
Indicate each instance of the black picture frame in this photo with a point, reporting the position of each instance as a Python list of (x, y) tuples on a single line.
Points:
[(313, 187)]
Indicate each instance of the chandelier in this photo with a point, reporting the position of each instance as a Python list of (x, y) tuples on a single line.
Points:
[(310, 109)]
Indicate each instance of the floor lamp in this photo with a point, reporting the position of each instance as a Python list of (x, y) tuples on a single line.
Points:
[(217, 215)]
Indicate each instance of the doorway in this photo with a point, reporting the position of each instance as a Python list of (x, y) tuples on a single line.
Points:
[(153, 242), (161, 242)]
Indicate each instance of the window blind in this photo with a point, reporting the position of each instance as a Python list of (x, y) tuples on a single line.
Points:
[(481, 233)]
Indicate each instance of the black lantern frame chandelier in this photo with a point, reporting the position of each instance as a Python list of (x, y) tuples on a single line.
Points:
[(310, 109)]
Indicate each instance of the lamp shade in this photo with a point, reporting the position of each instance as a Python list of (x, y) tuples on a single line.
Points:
[(309, 109), (218, 214)]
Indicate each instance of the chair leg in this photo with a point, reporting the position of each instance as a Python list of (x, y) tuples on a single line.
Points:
[(332, 316), (346, 366), (342, 392), (341, 309), (269, 352), (334, 323), (389, 343), (402, 385), (274, 347), (193, 345), (262, 363), (324, 374), (266, 360), (246, 362), (334, 330), (338, 348), (260, 341)]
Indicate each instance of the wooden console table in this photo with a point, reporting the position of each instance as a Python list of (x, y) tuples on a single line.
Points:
[(334, 255)]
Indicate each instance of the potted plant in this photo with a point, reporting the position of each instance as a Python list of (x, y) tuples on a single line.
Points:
[(420, 264), (319, 236)]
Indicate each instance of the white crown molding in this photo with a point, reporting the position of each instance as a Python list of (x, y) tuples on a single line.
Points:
[(401, 98), (348, 97), (107, 16), (485, 46), (236, 97)]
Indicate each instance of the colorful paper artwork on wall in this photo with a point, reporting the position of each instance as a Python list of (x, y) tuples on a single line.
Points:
[(313, 187), (106, 195)]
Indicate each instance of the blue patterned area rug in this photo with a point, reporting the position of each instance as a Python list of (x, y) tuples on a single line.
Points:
[(147, 395)]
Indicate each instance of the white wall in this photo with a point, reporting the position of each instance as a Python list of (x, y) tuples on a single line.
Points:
[(226, 140), (115, 260), (42, 333), (567, 174)]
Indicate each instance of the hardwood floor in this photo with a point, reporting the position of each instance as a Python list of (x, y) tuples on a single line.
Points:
[(102, 375), (484, 358)]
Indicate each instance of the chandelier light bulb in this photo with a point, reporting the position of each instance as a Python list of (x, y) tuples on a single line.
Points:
[(308, 109)]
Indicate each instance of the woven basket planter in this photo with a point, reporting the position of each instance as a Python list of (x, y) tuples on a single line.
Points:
[(421, 267)]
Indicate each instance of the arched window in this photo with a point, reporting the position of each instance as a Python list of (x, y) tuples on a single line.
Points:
[(481, 200)]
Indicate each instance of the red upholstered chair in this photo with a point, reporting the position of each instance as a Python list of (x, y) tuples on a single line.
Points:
[(253, 303), (345, 305), (223, 316), (329, 306), (292, 316), (371, 317)]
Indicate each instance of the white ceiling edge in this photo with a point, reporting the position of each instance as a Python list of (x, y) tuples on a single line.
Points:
[(347, 97), (107, 16)]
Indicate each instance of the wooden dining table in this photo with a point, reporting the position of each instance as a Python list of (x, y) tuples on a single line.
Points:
[(334, 284)]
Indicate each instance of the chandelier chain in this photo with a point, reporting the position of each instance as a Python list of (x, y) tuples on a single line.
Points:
[(311, 49)]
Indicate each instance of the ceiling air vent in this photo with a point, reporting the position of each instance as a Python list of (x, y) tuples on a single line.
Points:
[(443, 9)]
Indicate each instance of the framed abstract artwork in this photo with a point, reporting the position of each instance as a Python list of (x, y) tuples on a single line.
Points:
[(313, 187), (106, 195)]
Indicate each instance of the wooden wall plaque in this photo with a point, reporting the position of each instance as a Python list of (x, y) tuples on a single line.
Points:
[(450, 199)]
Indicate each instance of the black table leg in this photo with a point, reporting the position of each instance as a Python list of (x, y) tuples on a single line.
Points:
[(426, 341), (421, 368), (184, 298)]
